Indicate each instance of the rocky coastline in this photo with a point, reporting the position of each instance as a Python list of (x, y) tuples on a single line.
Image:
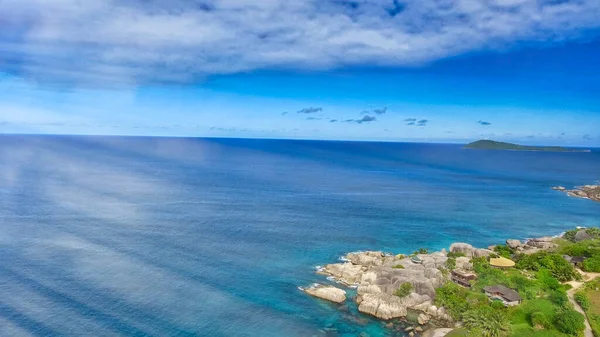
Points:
[(378, 276), (591, 192)]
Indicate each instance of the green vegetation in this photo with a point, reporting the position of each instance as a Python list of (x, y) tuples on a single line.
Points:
[(569, 321), (582, 300), (591, 303), (421, 251), (545, 310), (539, 320), (398, 266), (589, 249), (404, 290), (559, 267), (455, 255), (488, 321), (503, 251), (451, 263), (493, 145)]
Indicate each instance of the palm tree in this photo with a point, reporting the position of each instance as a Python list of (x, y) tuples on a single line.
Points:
[(490, 322)]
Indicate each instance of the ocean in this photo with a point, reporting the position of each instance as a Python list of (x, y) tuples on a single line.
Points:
[(133, 236)]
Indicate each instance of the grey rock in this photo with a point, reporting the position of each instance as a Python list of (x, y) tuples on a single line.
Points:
[(329, 293), (582, 235)]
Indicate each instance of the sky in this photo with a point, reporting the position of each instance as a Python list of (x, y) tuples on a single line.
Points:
[(525, 71)]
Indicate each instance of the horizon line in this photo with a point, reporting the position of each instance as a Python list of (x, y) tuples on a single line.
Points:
[(267, 138)]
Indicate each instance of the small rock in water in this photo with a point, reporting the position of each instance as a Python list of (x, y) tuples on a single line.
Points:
[(329, 293)]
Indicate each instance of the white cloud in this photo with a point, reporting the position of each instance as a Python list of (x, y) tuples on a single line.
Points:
[(134, 41)]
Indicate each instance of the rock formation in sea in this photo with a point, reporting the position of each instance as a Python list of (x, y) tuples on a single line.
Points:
[(591, 192), (378, 277), (329, 293)]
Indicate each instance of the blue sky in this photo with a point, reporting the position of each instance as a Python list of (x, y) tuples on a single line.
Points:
[(526, 71)]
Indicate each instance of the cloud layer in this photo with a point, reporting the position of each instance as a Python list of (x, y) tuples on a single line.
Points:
[(156, 41)]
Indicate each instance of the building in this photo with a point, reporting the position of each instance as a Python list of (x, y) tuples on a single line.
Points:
[(576, 261), (508, 296), (463, 277), (502, 262)]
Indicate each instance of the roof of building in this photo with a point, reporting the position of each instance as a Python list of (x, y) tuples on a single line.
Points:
[(507, 293), (502, 262)]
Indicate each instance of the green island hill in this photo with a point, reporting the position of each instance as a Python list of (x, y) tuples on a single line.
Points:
[(542, 287), (494, 145)]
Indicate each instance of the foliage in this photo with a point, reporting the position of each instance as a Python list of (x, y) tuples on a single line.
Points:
[(489, 322), (538, 319), (555, 263), (400, 256), (558, 297), (453, 298), (398, 266), (421, 251), (582, 300), (587, 248), (592, 264), (570, 234), (527, 288), (569, 321), (503, 251), (455, 254), (404, 290), (594, 232), (591, 292), (451, 263)]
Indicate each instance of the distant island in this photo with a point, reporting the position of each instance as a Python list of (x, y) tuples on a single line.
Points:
[(493, 145)]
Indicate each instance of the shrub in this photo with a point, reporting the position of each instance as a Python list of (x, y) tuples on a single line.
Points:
[(594, 232), (400, 256), (592, 264), (404, 290), (451, 263), (455, 254), (503, 251), (570, 322), (453, 298), (398, 266), (582, 300), (555, 263), (539, 320), (570, 235), (558, 297), (421, 251)]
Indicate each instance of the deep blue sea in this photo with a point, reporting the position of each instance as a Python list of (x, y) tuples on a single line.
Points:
[(118, 236)]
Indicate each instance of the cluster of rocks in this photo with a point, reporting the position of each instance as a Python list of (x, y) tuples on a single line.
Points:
[(591, 192), (532, 245), (378, 276)]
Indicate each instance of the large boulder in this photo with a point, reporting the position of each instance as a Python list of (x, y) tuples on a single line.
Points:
[(385, 306), (347, 273), (329, 293), (463, 248), (464, 263), (423, 319), (366, 259), (382, 306), (541, 243), (582, 235), (468, 250), (514, 244)]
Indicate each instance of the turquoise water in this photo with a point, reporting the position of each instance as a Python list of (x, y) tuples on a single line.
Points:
[(110, 236)]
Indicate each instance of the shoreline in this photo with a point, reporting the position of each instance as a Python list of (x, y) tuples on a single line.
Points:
[(375, 274)]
